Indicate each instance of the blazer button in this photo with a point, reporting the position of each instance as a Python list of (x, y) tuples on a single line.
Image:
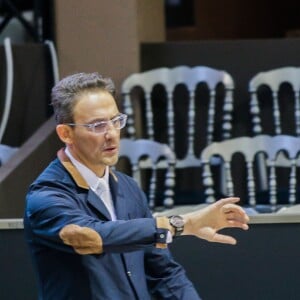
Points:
[(129, 273)]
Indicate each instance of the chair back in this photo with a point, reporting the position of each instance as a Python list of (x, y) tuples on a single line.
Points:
[(275, 102), (274, 150), (182, 107), (151, 164)]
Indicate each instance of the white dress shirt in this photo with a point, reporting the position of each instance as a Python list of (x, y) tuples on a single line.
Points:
[(99, 185)]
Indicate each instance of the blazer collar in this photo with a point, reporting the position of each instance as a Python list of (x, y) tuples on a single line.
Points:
[(66, 162), (64, 159)]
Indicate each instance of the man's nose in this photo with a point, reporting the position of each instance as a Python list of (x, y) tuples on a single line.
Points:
[(111, 129)]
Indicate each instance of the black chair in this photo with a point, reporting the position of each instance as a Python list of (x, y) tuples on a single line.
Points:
[(10, 9)]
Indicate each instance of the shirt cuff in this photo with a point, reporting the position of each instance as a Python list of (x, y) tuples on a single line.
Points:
[(163, 232)]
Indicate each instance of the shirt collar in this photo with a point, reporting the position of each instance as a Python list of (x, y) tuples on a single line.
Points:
[(89, 176)]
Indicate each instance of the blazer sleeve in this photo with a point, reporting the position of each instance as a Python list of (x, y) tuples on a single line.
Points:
[(51, 205)]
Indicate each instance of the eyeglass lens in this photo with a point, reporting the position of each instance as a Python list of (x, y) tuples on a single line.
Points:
[(118, 123)]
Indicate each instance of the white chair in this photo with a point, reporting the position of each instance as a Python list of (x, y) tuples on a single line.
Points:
[(275, 106), (272, 148), (144, 156), (275, 102), (184, 107)]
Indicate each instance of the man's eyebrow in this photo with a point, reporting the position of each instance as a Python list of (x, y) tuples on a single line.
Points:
[(103, 119)]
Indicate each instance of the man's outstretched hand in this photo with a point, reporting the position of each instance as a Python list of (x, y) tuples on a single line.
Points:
[(205, 223)]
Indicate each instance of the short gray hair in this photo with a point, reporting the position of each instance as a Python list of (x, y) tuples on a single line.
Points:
[(65, 93)]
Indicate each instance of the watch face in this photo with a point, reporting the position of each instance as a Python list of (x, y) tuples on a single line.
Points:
[(177, 221)]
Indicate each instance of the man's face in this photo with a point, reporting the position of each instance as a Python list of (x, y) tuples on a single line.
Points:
[(95, 150)]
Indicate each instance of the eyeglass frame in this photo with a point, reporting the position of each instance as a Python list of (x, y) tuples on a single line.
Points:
[(92, 126)]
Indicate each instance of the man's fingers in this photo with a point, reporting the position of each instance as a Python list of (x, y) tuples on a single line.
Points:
[(224, 239), (85, 251), (226, 201), (69, 232), (238, 224)]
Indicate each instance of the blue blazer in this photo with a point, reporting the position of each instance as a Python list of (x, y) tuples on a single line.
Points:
[(134, 263)]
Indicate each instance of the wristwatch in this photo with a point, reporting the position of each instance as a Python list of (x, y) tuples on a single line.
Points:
[(177, 223)]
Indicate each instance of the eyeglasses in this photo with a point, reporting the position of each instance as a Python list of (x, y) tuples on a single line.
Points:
[(101, 127)]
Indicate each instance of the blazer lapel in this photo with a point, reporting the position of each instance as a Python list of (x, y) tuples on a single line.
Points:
[(119, 200), (98, 204)]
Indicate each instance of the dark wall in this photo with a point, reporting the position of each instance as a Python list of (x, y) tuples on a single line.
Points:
[(233, 19), (17, 279), (264, 265)]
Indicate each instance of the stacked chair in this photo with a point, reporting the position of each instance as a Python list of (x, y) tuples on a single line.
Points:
[(263, 168), (151, 164), (275, 151), (190, 109), (275, 101), (186, 108), (274, 107)]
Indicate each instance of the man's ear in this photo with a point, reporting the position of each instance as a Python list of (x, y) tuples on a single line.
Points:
[(65, 133)]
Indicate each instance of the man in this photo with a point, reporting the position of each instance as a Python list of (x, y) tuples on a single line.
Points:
[(89, 228)]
